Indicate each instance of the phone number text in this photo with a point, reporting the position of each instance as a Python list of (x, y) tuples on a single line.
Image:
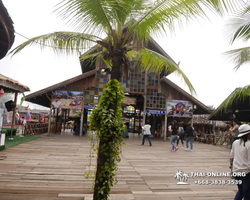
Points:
[(218, 182)]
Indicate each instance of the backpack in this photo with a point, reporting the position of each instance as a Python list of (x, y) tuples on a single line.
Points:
[(182, 131)]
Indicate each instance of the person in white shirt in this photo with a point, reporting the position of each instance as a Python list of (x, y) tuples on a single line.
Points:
[(240, 162), (147, 133), (57, 103)]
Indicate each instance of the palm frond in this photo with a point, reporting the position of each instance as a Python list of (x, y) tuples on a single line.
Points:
[(239, 56), (94, 17), (240, 94), (61, 42), (151, 61)]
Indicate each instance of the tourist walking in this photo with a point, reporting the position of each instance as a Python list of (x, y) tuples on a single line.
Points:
[(240, 162), (234, 131), (147, 133), (173, 129), (189, 137), (180, 134)]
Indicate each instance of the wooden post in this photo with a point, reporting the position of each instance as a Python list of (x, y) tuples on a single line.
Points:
[(192, 120), (57, 110), (13, 117), (64, 119), (145, 99), (166, 121), (50, 113), (82, 113)]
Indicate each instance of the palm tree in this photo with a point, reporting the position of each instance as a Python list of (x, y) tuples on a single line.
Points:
[(238, 29), (120, 29)]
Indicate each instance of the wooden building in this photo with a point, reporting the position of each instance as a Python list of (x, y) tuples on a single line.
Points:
[(144, 91)]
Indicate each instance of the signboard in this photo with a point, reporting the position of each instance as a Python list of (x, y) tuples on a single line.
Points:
[(67, 99), (89, 107), (129, 101), (179, 108), (159, 112), (2, 139)]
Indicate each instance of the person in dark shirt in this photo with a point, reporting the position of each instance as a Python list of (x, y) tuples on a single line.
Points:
[(174, 133), (189, 137)]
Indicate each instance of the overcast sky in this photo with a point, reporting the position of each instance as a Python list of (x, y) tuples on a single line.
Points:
[(198, 47)]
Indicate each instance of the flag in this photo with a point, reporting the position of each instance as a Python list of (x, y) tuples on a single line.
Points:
[(39, 119), (18, 118), (44, 119), (28, 117)]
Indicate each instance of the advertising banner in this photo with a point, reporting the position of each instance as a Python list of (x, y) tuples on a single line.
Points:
[(179, 108), (67, 99)]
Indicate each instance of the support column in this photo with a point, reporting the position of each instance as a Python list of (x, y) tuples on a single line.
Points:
[(166, 121), (50, 113), (145, 99), (82, 113), (192, 120), (13, 117)]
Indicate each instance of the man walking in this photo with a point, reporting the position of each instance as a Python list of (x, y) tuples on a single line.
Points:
[(147, 133)]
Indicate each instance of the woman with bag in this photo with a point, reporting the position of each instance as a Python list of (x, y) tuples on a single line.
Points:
[(174, 134)]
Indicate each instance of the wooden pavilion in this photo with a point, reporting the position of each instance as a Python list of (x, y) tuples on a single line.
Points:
[(8, 85)]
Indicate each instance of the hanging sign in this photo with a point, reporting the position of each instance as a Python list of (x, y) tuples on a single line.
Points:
[(158, 112), (67, 99), (89, 107), (129, 101)]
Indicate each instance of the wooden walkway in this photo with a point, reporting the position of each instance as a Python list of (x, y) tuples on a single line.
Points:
[(53, 168)]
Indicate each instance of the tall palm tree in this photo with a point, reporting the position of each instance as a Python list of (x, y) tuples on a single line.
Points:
[(120, 29), (238, 29)]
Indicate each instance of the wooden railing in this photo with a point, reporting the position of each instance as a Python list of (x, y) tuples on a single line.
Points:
[(31, 128)]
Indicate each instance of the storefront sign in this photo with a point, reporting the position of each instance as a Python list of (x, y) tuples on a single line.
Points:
[(158, 112), (129, 101), (179, 108), (89, 107)]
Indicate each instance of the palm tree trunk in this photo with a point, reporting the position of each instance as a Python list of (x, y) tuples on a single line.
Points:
[(102, 180)]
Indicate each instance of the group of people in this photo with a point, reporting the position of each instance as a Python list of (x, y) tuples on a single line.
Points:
[(177, 133)]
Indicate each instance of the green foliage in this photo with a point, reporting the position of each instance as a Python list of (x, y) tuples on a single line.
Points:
[(7, 131), (106, 118)]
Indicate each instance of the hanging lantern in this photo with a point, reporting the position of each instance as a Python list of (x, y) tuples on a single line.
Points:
[(1, 92)]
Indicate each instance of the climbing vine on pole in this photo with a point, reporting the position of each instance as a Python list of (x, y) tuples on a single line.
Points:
[(106, 118)]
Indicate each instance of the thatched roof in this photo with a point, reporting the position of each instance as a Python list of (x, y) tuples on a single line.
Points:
[(10, 85), (6, 31), (239, 109)]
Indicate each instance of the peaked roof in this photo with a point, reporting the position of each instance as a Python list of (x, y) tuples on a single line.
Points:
[(40, 97), (152, 44), (201, 108), (10, 85)]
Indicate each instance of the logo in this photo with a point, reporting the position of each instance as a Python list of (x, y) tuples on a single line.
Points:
[(182, 177)]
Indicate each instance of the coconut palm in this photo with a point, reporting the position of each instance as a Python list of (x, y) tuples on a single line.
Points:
[(120, 30), (238, 29)]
